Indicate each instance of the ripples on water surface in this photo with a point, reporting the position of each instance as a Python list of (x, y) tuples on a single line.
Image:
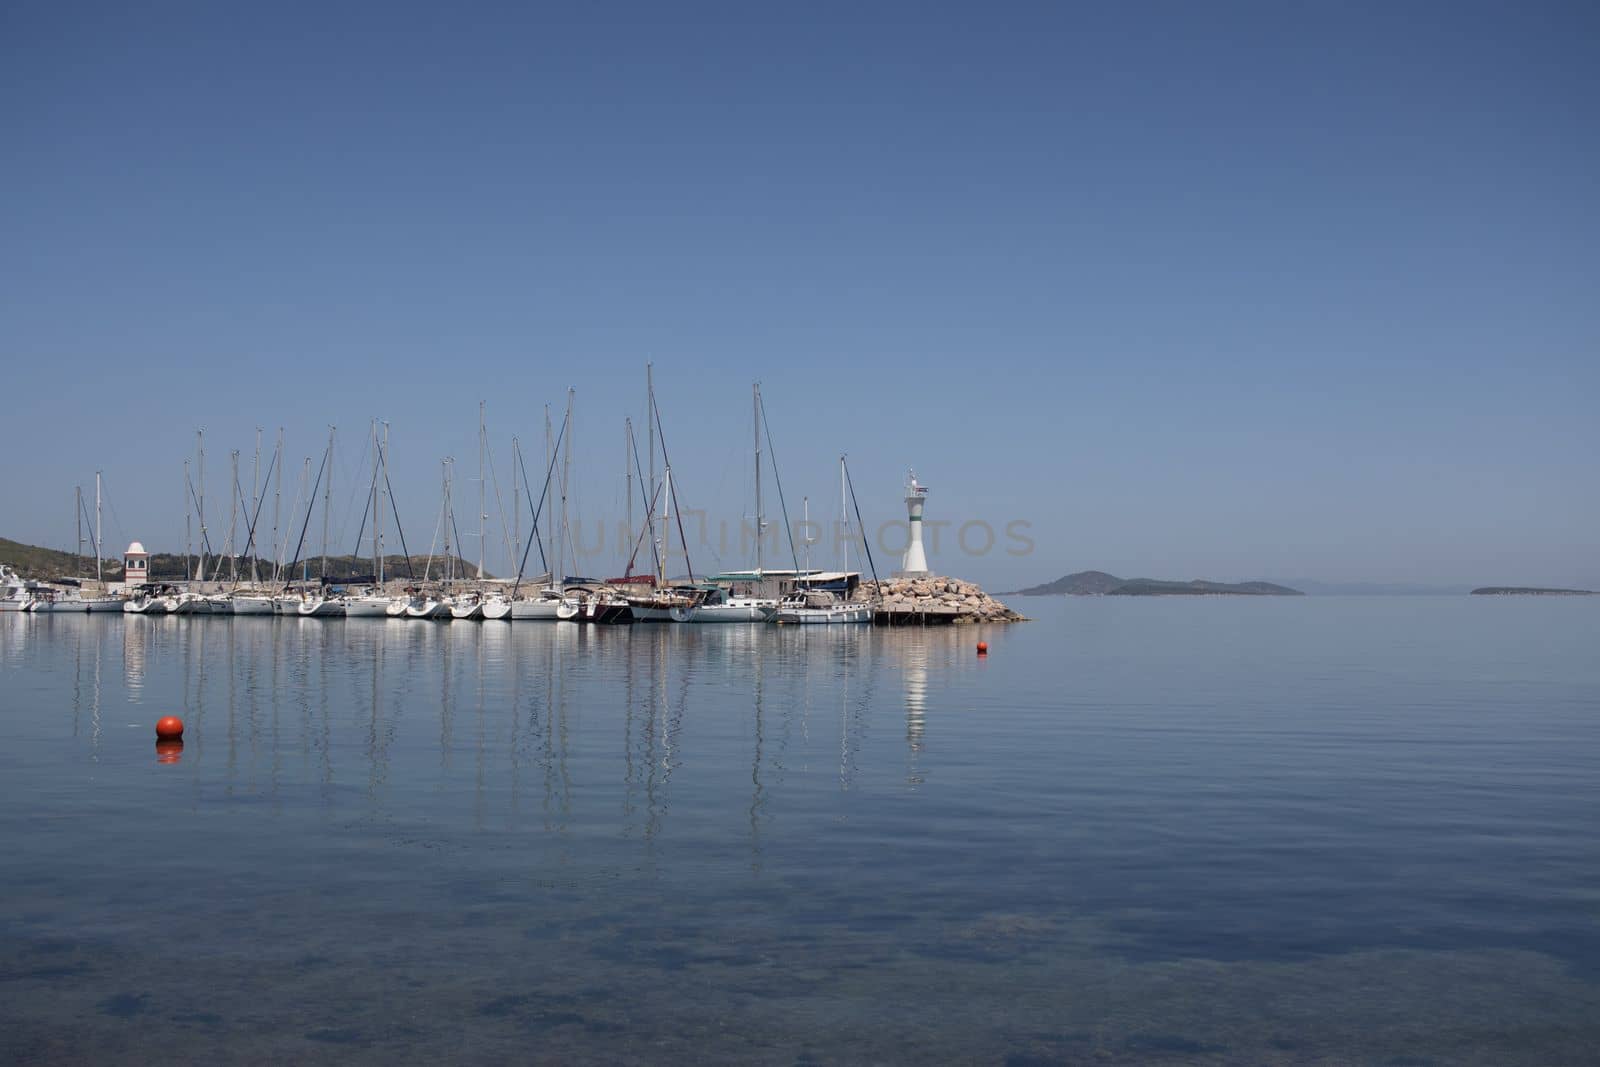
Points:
[(1209, 830)]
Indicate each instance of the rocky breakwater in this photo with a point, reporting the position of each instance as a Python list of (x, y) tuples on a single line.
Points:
[(936, 600)]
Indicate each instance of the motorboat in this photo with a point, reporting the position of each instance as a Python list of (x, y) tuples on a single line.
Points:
[(16, 592)]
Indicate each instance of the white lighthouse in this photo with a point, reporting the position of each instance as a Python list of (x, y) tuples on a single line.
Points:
[(915, 562)]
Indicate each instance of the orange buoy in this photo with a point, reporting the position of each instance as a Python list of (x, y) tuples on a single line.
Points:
[(169, 751), (983, 648), (169, 728)]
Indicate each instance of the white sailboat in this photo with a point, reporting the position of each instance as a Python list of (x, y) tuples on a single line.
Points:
[(722, 606), (818, 608), (548, 604), (147, 602), (376, 604)]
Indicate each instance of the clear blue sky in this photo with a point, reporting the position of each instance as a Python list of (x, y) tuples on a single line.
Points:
[(1226, 290)]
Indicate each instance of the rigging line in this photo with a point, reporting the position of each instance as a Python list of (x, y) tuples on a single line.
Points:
[(310, 506), (549, 472), (438, 524), (457, 531), (643, 530), (861, 526), (83, 513), (649, 513), (772, 454), (499, 503), (410, 570), (250, 530), (205, 536), (521, 564), (361, 531), (661, 435)]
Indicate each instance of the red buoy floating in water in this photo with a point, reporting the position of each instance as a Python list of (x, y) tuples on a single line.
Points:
[(983, 648), (169, 728)]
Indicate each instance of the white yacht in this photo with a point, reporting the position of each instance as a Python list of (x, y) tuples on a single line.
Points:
[(72, 600), (16, 593), (146, 602), (253, 604), (721, 607), (322, 607), (424, 606), (543, 606), (497, 606), (370, 606), (813, 609), (467, 607)]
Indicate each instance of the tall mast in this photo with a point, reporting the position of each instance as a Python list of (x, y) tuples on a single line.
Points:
[(304, 493), (627, 470), (233, 520), (97, 551), (449, 519), (566, 474), (188, 530), (77, 513), (806, 525), (255, 500), (549, 447), (650, 422), (482, 514), (277, 498), (516, 505), (201, 437), (666, 529), (844, 519), (377, 460), (755, 404), (327, 498), (377, 528)]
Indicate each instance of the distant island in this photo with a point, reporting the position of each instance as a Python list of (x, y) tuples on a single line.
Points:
[(1529, 590), (1099, 583)]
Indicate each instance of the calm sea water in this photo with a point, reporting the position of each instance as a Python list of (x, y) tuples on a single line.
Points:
[(1212, 830)]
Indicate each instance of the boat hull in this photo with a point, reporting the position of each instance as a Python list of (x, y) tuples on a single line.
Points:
[(851, 616), (376, 607), (253, 605), (497, 608), (535, 610), (721, 613), (322, 609), (428, 609), (599, 613)]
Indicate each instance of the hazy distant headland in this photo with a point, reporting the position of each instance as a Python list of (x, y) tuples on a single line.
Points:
[(32, 561), (1529, 590), (1099, 583)]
